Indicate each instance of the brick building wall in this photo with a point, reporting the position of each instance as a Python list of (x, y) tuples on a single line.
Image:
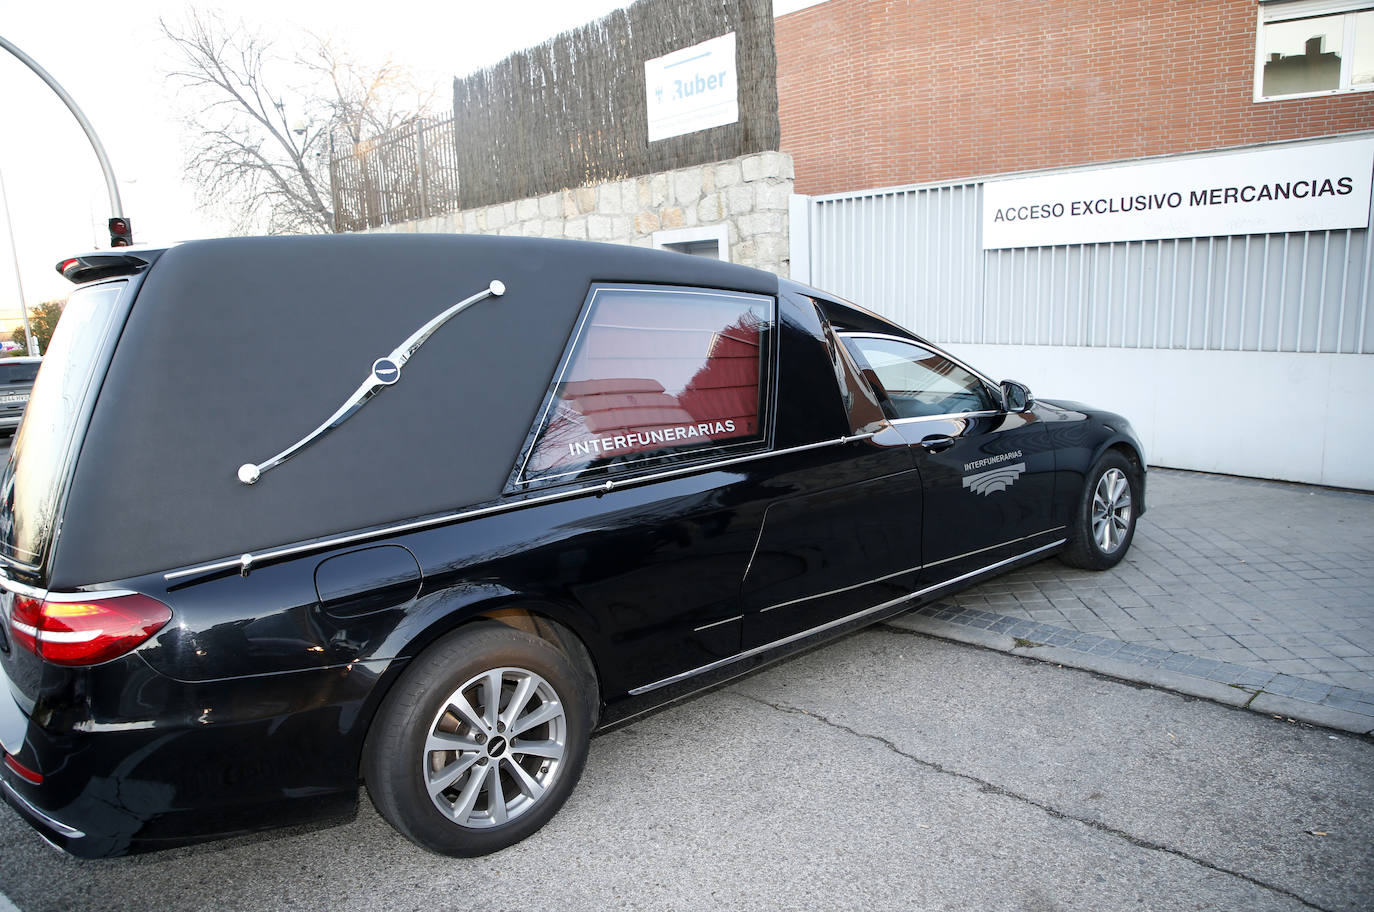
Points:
[(874, 93)]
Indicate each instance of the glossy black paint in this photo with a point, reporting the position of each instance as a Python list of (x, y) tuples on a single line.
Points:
[(993, 525), (250, 709)]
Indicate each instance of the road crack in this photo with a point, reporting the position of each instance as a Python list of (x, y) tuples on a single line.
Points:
[(994, 789)]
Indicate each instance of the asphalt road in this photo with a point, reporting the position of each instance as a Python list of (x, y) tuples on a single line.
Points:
[(885, 771)]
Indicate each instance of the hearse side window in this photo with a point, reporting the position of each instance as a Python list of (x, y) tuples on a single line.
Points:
[(918, 382), (654, 374)]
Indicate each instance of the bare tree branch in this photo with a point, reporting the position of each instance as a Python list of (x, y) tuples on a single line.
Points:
[(255, 154)]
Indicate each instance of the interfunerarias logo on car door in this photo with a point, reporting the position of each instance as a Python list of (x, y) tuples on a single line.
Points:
[(993, 480)]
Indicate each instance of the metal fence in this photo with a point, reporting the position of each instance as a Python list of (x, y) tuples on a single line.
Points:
[(409, 173), (915, 254)]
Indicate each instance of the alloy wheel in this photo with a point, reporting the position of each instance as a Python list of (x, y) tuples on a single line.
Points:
[(1111, 510), (495, 747)]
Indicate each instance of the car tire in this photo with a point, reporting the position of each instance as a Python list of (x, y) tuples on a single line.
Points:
[(1104, 523), (447, 761)]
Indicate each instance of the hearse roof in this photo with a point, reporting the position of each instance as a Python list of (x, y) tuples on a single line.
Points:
[(236, 348)]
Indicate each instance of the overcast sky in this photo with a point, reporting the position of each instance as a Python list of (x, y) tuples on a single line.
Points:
[(111, 58)]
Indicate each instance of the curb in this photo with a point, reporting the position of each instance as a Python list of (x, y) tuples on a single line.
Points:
[(1022, 638)]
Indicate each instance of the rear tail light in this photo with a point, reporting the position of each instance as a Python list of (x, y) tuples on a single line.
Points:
[(23, 771), (87, 632)]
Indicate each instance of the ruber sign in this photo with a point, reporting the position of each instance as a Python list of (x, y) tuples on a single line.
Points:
[(1313, 188), (692, 89)]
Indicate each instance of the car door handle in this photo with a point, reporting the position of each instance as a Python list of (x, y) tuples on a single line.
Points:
[(937, 443)]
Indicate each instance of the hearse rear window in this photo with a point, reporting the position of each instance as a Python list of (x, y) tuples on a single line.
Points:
[(40, 462), (653, 374)]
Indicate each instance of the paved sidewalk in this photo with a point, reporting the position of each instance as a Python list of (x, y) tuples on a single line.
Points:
[(1255, 593)]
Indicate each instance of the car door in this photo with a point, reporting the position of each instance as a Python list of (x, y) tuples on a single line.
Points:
[(716, 530), (842, 533), (661, 390), (987, 472)]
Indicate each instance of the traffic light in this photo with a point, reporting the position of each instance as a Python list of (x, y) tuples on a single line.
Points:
[(121, 232)]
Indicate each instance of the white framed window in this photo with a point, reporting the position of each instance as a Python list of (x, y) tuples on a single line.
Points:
[(706, 240), (654, 375), (1309, 48)]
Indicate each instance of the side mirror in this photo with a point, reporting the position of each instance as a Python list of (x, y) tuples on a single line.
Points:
[(1016, 397)]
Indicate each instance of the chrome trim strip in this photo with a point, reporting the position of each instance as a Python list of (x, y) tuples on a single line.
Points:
[(749, 653), (738, 617), (724, 447), (378, 378), (751, 457), (981, 570), (807, 598), (61, 828), (88, 725), (949, 417), (245, 562), (26, 591), (945, 560), (86, 596), (931, 347), (20, 589)]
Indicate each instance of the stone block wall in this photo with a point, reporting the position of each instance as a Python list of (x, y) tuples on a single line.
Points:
[(748, 195)]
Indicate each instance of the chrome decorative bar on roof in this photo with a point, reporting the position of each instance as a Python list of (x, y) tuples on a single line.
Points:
[(385, 372)]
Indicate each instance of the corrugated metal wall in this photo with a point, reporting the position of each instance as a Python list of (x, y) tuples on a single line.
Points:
[(915, 254)]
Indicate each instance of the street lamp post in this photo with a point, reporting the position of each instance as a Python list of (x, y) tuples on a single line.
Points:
[(116, 207), (110, 184), (30, 345)]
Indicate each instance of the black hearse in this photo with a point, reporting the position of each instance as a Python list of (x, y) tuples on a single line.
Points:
[(254, 555)]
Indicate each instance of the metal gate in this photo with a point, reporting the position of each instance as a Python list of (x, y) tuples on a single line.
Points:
[(914, 254)]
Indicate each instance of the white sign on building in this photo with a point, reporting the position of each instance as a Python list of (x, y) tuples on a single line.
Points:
[(1311, 188), (692, 89)]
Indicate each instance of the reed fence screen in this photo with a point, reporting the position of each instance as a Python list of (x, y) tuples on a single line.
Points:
[(566, 113), (571, 111)]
